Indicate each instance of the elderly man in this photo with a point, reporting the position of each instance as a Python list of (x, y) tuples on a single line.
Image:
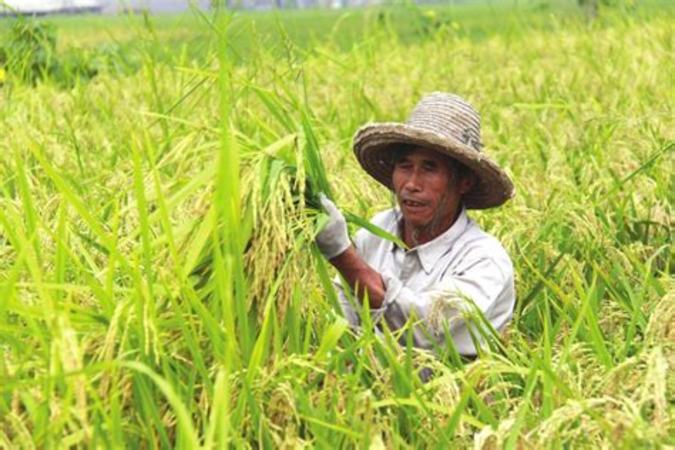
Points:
[(434, 165)]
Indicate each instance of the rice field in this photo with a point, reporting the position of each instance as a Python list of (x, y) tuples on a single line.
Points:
[(159, 285)]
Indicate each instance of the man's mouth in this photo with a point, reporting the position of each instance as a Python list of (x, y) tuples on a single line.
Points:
[(413, 204)]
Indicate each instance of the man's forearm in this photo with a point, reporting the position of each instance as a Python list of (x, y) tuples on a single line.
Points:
[(360, 276)]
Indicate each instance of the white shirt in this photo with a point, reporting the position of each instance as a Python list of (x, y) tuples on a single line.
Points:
[(436, 281)]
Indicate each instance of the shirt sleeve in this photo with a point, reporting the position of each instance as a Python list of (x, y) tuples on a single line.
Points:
[(481, 283)]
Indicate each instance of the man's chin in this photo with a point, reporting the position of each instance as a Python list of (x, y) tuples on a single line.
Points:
[(420, 217), (416, 223)]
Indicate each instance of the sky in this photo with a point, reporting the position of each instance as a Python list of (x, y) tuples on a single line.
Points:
[(154, 5), (108, 5)]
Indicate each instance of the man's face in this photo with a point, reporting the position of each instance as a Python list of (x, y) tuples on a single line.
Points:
[(425, 188)]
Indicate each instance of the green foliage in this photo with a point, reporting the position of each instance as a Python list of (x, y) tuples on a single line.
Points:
[(30, 49), (29, 53), (113, 191)]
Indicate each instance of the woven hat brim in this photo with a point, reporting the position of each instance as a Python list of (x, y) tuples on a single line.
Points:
[(374, 143)]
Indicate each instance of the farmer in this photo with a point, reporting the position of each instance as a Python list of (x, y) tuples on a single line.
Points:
[(434, 165)]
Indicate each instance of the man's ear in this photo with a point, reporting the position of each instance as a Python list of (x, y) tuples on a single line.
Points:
[(467, 182)]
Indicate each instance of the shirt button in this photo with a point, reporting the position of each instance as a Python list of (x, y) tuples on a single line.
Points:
[(408, 266)]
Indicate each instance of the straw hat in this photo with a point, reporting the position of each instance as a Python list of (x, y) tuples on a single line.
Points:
[(447, 124)]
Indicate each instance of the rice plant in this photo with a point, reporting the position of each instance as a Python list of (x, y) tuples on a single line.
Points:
[(159, 284)]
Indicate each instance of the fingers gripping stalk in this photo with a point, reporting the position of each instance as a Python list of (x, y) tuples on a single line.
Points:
[(333, 239)]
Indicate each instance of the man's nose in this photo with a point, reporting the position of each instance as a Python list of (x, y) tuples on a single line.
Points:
[(413, 182)]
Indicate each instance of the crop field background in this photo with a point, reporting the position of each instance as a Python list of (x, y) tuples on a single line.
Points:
[(159, 285)]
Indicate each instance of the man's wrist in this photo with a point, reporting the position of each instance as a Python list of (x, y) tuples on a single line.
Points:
[(360, 276)]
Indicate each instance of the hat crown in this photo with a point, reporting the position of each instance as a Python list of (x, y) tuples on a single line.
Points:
[(448, 115)]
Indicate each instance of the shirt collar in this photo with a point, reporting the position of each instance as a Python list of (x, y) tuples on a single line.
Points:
[(430, 252)]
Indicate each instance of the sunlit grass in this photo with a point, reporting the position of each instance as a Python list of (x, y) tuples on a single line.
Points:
[(159, 286)]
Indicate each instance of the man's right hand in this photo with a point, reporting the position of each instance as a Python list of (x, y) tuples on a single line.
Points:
[(333, 239)]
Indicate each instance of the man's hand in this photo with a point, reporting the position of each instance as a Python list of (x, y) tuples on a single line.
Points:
[(333, 239)]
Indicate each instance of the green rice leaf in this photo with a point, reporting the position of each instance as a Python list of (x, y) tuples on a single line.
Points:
[(377, 231)]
